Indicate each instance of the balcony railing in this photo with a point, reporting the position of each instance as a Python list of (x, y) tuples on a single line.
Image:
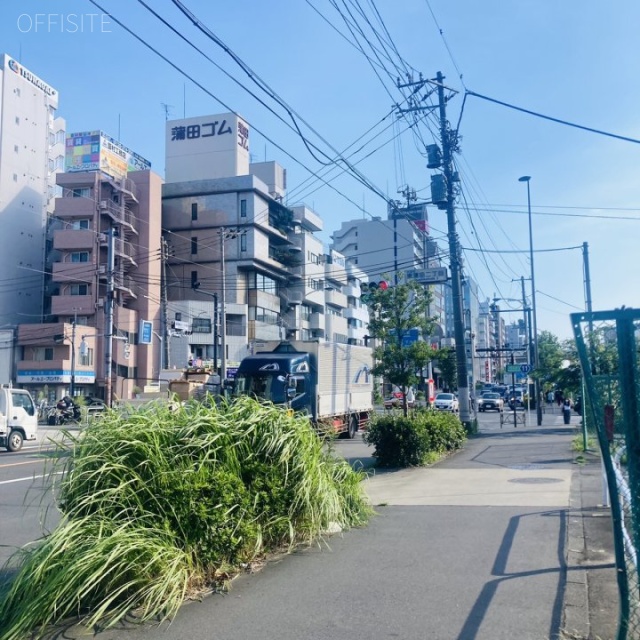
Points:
[(118, 213)]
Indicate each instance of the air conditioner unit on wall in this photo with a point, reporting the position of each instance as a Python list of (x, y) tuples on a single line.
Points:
[(103, 204)]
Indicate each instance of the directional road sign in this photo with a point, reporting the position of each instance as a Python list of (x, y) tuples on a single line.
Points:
[(518, 368)]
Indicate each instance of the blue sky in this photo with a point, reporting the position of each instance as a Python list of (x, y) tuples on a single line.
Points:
[(572, 60)]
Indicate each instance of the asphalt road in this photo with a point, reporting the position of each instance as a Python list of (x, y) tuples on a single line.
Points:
[(470, 549), (25, 507)]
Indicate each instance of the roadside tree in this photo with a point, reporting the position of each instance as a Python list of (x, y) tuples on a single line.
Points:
[(394, 311)]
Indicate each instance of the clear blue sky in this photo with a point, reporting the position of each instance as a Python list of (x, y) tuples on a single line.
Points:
[(573, 60)]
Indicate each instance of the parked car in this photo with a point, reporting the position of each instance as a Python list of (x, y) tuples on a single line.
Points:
[(396, 401), (490, 401), (446, 402)]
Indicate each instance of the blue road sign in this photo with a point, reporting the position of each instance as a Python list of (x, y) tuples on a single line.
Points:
[(525, 368)]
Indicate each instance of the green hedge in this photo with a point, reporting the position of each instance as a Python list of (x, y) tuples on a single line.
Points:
[(418, 439)]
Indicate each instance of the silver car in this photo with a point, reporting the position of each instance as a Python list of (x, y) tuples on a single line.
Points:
[(446, 402)]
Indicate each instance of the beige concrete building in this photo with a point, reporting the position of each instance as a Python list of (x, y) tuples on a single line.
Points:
[(100, 219)]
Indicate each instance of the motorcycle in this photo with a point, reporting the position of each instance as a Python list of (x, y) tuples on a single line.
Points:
[(58, 416)]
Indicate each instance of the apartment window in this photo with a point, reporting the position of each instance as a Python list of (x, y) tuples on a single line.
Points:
[(243, 242), (59, 163), (194, 246), (194, 278), (81, 224), (305, 312), (194, 210), (80, 256), (265, 283), (178, 316), (201, 325), (243, 208), (81, 192), (78, 290)]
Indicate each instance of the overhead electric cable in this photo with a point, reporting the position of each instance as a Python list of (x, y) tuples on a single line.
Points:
[(552, 119)]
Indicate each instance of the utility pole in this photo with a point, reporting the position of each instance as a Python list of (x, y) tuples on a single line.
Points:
[(108, 312), (225, 234), (531, 387), (164, 307), (449, 140), (72, 385)]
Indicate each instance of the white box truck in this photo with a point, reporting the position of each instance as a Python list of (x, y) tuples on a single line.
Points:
[(18, 418), (330, 382)]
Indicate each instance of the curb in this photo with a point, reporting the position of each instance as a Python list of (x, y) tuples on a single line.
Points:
[(576, 596)]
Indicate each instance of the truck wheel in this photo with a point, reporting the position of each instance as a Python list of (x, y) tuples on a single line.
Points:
[(353, 427), (14, 443)]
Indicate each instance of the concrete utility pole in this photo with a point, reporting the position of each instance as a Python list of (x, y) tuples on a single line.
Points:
[(108, 312), (449, 139), (225, 234), (164, 307)]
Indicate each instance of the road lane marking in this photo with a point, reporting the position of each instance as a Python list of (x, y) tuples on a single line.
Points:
[(58, 473), (17, 464)]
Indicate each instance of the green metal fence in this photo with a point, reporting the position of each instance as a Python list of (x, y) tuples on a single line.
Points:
[(608, 344)]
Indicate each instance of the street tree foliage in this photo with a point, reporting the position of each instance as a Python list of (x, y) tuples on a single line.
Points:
[(393, 313), (550, 357), (448, 366), (559, 363)]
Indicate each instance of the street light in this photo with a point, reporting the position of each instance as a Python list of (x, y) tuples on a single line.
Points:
[(535, 363)]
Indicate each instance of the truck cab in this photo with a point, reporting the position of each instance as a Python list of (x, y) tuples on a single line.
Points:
[(18, 418), (281, 378)]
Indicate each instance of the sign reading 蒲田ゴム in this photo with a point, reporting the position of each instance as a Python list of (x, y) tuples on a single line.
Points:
[(206, 147)]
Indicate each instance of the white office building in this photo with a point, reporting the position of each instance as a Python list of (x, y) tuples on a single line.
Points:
[(32, 143)]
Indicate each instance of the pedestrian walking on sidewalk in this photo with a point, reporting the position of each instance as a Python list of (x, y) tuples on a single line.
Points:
[(566, 411)]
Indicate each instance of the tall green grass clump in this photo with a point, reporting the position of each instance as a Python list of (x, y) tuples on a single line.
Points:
[(161, 503), (421, 438)]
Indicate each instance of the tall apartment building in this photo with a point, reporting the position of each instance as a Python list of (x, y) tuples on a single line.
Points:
[(31, 152), (105, 246), (226, 225)]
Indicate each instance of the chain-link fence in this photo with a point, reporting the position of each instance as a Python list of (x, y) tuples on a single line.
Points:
[(608, 343)]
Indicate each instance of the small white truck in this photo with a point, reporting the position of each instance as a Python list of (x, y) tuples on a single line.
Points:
[(330, 382), (18, 418)]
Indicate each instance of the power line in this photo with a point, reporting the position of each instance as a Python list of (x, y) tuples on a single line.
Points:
[(552, 119)]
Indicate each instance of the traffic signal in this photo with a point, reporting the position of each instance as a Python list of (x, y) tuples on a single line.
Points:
[(368, 289)]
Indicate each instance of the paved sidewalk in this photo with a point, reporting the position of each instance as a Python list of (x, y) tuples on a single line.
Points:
[(591, 600)]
